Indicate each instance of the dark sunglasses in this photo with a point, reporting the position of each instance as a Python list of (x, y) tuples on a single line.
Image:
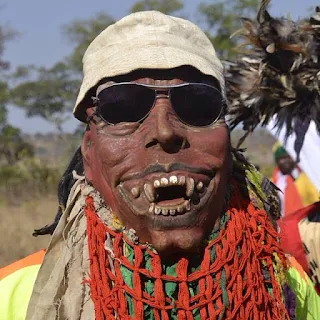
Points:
[(195, 104)]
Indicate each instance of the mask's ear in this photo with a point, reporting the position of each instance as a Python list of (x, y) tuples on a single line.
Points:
[(86, 150)]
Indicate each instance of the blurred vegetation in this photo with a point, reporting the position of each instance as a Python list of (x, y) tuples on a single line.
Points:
[(222, 19), (35, 175), (81, 33), (31, 168), (47, 93), (31, 164), (28, 178), (165, 6), (51, 92), (14, 149), (12, 146)]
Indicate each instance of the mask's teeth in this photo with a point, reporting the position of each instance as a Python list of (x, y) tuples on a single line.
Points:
[(173, 180), (200, 186), (152, 207), (164, 211), (180, 209), (189, 187), (135, 192), (187, 205), (164, 182), (156, 183), (181, 180), (149, 191)]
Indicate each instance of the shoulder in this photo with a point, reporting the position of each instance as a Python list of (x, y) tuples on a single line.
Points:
[(307, 299), (33, 259), (16, 284)]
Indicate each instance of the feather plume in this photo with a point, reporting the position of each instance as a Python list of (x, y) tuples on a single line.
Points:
[(279, 75)]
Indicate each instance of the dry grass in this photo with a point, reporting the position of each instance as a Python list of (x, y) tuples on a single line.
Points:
[(17, 225)]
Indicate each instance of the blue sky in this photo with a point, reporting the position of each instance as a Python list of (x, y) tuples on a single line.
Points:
[(40, 42)]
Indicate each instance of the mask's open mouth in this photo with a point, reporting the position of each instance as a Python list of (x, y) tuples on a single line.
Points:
[(167, 195), (170, 200), (172, 195)]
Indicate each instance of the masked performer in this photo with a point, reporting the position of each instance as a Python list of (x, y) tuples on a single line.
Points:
[(159, 217)]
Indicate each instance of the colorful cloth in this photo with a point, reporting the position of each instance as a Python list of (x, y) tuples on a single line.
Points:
[(300, 237), (16, 285), (296, 192), (306, 299), (15, 292)]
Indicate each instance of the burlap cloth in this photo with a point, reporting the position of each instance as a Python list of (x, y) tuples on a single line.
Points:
[(59, 291)]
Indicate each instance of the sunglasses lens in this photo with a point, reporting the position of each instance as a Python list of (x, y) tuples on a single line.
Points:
[(125, 103), (197, 104)]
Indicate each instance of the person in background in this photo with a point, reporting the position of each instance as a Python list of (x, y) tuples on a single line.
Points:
[(295, 189)]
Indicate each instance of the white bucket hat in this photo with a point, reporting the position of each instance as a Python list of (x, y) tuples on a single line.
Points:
[(146, 40)]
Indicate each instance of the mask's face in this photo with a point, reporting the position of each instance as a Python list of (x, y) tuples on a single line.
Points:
[(161, 177)]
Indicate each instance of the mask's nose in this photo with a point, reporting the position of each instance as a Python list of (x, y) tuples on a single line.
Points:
[(167, 130)]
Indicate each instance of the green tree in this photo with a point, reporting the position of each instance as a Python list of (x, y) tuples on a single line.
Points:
[(165, 6), (12, 145), (3, 101), (222, 19), (81, 33), (5, 35), (49, 93)]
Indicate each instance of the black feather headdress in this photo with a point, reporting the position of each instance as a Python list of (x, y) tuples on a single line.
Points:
[(279, 74)]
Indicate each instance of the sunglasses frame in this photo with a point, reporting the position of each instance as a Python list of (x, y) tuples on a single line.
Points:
[(158, 91)]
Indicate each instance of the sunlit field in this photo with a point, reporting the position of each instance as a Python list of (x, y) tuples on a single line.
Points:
[(17, 225)]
